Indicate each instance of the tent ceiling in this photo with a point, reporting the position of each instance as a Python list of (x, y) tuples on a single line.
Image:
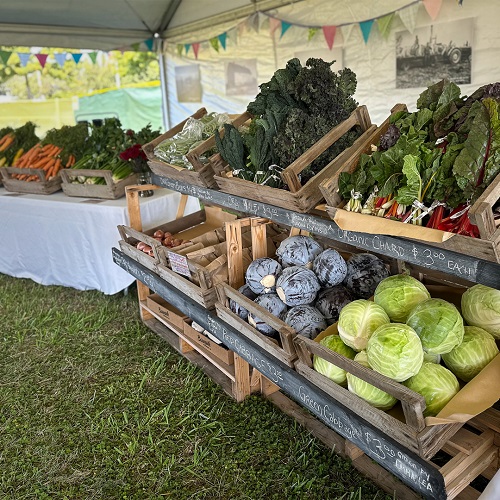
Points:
[(109, 24)]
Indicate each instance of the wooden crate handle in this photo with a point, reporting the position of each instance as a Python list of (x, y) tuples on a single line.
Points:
[(290, 174), (481, 213), (68, 173), (8, 172)]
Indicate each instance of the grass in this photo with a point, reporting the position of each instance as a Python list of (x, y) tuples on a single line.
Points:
[(93, 405)]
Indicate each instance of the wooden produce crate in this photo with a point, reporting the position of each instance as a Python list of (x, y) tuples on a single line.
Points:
[(299, 198), (202, 175), (40, 186), (486, 247), (109, 191), (409, 427)]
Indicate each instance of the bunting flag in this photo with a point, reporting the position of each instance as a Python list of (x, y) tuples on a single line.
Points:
[(24, 57), (329, 34), (196, 48), (384, 24), (76, 57), (253, 22), (284, 28), (60, 58), (222, 39), (179, 49), (149, 44), (346, 31), (312, 32), (42, 59), (5, 56), (135, 46), (408, 16), (274, 24), (214, 42), (93, 57), (432, 7), (187, 46), (366, 27)]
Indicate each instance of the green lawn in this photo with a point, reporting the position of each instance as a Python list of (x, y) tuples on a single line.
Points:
[(93, 405)]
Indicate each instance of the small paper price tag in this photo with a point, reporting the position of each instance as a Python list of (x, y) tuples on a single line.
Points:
[(179, 264)]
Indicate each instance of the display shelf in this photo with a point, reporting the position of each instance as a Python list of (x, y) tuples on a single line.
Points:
[(414, 252), (420, 475)]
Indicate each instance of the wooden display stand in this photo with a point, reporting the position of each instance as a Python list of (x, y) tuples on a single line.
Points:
[(235, 378)]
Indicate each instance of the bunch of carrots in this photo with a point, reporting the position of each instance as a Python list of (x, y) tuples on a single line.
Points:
[(6, 141), (46, 158)]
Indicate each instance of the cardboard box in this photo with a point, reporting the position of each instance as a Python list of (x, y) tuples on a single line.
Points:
[(219, 351), (166, 311)]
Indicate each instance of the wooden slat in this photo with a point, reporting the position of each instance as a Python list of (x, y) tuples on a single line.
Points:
[(241, 385), (481, 213), (235, 254)]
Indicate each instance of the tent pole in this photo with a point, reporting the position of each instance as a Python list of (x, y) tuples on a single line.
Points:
[(165, 107)]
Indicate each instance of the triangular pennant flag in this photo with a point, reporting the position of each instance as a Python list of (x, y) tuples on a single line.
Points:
[(329, 34), (196, 48), (222, 39), (5, 56), (408, 16), (433, 7), (253, 22), (24, 57), (135, 46), (366, 27), (384, 24), (312, 32), (214, 42), (149, 44), (284, 28), (42, 59), (273, 25), (262, 19), (187, 46), (60, 58), (346, 32), (76, 57), (179, 49), (93, 57)]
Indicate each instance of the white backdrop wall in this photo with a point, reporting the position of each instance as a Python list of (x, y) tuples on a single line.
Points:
[(374, 62)]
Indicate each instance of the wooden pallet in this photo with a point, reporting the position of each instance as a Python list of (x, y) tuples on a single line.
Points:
[(42, 186), (109, 191), (299, 198), (202, 175), (481, 214)]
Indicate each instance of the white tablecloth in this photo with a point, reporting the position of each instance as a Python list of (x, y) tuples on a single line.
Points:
[(60, 240)]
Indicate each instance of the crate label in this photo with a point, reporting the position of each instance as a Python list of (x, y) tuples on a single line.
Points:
[(179, 264)]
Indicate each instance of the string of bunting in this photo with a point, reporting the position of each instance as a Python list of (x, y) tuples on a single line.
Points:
[(407, 14), (61, 57)]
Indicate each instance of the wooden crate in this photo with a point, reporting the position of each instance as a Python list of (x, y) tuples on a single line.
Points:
[(42, 186), (109, 191), (202, 175), (299, 198), (408, 428), (486, 247)]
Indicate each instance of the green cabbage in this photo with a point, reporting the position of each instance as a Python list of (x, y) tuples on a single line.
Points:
[(436, 384), (371, 394), (481, 307), (432, 358), (358, 320), (338, 375), (399, 294), (395, 350), (477, 349), (438, 324)]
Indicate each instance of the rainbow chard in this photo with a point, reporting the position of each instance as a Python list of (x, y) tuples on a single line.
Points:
[(479, 161)]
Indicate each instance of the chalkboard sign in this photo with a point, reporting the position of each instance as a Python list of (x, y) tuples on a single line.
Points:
[(414, 252), (404, 464)]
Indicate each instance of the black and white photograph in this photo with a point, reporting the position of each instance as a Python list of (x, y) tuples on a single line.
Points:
[(188, 83), (336, 54), (433, 53), (241, 77)]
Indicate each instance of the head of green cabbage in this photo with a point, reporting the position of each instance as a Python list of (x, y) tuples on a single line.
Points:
[(436, 384), (333, 372), (481, 307), (398, 295), (358, 320), (438, 324), (371, 394), (395, 350)]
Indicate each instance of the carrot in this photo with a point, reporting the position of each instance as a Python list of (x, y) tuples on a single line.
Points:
[(4, 138), (7, 143)]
